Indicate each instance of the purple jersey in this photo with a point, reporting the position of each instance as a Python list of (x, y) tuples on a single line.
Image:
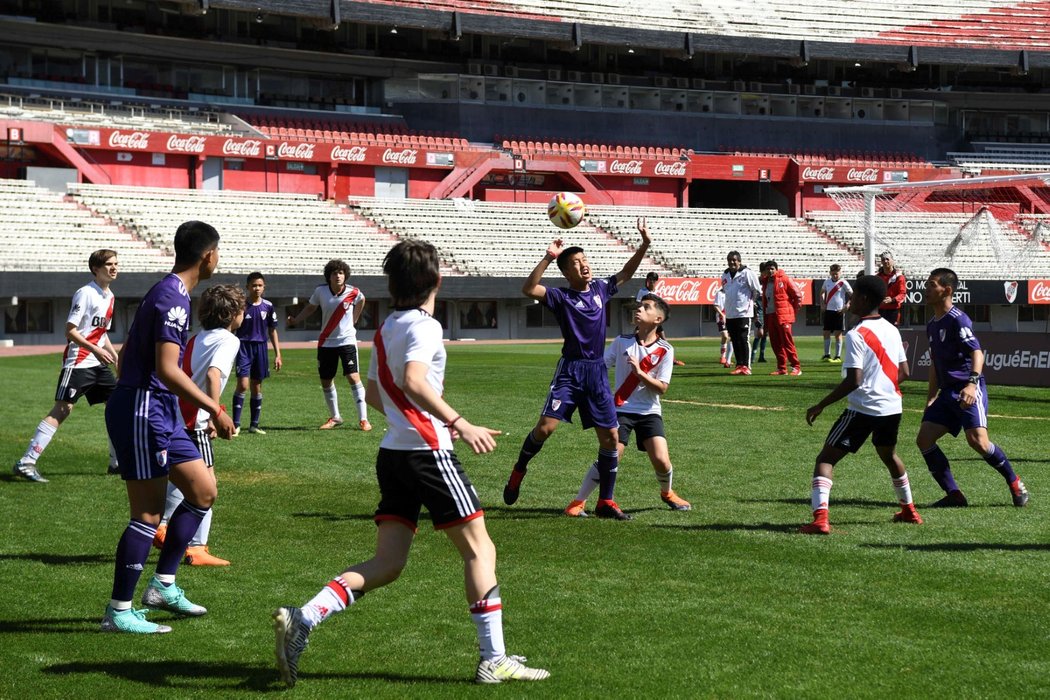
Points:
[(952, 343), (258, 320), (163, 316), (582, 317)]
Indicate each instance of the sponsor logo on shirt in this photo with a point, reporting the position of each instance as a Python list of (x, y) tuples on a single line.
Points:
[(176, 318), (965, 334), (76, 307)]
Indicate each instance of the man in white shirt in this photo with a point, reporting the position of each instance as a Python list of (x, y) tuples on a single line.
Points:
[(742, 288), (834, 301)]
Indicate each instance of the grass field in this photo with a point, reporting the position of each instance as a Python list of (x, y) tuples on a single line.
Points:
[(724, 601)]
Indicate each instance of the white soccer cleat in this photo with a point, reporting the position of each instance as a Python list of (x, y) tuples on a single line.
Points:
[(293, 634), (508, 668)]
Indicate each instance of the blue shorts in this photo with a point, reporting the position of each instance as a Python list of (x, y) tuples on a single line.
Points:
[(945, 410), (147, 433), (582, 384), (253, 360)]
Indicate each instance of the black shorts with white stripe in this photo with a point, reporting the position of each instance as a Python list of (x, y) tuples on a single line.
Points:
[(96, 383), (202, 440), (411, 479), (852, 429)]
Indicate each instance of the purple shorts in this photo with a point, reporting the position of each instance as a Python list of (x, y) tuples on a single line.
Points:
[(147, 433), (582, 384), (253, 360), (945, 410)]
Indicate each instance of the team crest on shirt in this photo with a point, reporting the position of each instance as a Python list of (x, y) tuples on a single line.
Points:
[(162, 458), (176, 318), (556, 404), (942, 335), (347, 305)]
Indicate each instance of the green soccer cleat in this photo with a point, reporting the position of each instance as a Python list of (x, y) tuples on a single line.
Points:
[(130, 620), (293, 634), (170, 598), (508, 668)]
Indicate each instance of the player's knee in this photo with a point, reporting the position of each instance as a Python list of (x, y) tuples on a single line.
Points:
[(390, 565), (977, 442), (61, 411)]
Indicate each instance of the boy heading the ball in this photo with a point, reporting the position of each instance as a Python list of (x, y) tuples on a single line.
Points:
[(581, 379)]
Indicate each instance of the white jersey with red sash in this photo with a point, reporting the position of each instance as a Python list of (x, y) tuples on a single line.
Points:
[(874, 346), (409, 335), (215, 348), (337, 315), (91, 312), (835, 293), (631, 394)]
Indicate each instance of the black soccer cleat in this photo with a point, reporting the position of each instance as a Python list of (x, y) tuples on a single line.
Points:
[(513, 487), (609, 509), (954, 499)]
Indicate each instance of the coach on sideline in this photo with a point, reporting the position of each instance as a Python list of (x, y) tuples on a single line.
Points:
[(741, 289)]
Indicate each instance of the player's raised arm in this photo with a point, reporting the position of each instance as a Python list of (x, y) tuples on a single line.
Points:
[(532, 287), (632, 265)]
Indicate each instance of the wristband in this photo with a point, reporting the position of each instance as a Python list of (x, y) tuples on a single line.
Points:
[(452, 422), (975, 378)]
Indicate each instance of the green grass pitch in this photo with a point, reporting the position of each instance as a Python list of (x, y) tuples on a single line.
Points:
[(724, 601)]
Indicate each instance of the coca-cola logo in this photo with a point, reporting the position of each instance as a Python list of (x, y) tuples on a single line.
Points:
[(626, 167), (139, 140), (1039, 292), (865, 175), (187, 144), (405, 156), (250, 148), (674, 169), (824, 174), (687, 290), (354, 154), (299, 151)]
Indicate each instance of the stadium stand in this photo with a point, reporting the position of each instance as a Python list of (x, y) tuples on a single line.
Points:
[(590, 150), (1022, 157), (371, 134), (90, 113)]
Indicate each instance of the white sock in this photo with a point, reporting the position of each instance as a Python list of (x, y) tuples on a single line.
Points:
[(821, 493), (172, 502), (166, 579), (487, 615), (331, 397), (838, 346), (44, 432), (359, 397), (827, 346), (200, 538), (119, 605), (589, 483), (664, 479), (334, 597), (903, 489)]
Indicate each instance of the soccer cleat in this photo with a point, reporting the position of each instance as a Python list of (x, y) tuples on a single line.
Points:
[(331, 423), (576, 509), (158, 539), (609, 509), (724, 363), (778, 373), (198, 555), (671, 499), (256, 430), (170, 598), (236, 431), (130, 620), (364, 425), (113, 469), (293, 634), (739, 369), (1019, 493), (513, 487), (795, 371), (747, 371), (508, 668), (908, 514), (678, 363), (28, 471), (954, 499), (819, 526), (836, 360), (826, 358)]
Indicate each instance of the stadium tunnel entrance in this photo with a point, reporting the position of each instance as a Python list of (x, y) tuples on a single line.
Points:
[(737, 195)]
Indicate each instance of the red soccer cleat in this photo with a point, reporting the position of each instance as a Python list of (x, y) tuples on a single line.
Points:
[(795, 371), (908, 514), (819, 526), (778, 373)]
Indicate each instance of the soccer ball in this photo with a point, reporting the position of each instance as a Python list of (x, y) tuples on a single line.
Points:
[(566, 210)]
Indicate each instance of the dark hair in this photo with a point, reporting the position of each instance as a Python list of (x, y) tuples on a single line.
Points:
[(413, 271), (652, 277), (193, 239), (946, 277), (660, 304), (733, 254), (334, 266), (870, 288), (563, 257), (763, 267), (99, 258), (255, 276), (836, 267), (772, 264), (219, 305)]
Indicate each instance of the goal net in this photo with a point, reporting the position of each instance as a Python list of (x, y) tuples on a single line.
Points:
[(983, 228)]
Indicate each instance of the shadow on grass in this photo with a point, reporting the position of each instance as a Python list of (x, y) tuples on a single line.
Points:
[(283, 429), (735, 527), (186, 675), (59, 559), (55, 625), (963, 547), (511, 513), (336, 517), (856, 502)]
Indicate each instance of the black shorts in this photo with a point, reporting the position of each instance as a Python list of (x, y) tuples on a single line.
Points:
[(645, 426), (96, 383), (202, 440), (410, 479), (852, 429), (834, 320), (329, 358)]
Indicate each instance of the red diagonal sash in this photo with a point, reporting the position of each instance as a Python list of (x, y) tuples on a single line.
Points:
[(96, 334), (631, 383), (834, 291), (345, 303), (889, 367), (188, 410), (414, 416)]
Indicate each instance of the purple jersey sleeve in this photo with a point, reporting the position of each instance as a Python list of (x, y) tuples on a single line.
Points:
[(271, 317)]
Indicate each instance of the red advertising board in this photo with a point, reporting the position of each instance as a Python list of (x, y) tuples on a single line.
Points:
[(635, 167), (848, 174), (1039, 291), (701, 290)]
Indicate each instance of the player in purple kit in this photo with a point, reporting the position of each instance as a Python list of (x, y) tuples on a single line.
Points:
[(957, 398), (260, 323), (581, 379), (150, 438)]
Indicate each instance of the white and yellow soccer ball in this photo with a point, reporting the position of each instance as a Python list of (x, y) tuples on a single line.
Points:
[(566, 210)]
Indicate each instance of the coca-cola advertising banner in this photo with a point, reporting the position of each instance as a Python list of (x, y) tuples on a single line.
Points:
[(1039, 291), (845, 173), (1015, 359), (240, 147), (636, 167), (701, 290)]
